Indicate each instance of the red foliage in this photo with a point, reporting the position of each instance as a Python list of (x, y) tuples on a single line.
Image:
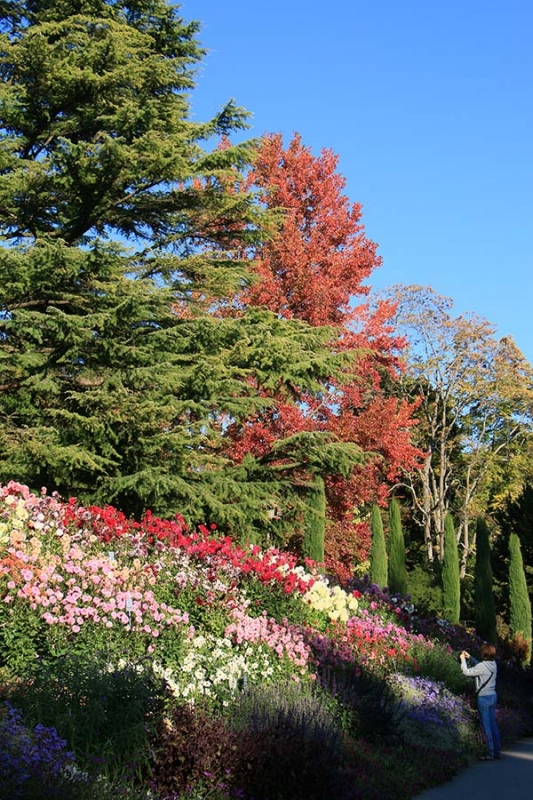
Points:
[(346, 542), (314, 270), (315, 267)]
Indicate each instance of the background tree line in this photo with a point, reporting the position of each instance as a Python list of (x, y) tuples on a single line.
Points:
[(504, 618)]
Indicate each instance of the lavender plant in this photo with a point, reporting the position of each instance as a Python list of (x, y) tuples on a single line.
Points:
[(289, 742)]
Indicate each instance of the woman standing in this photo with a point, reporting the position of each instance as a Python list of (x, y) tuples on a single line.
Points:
[(485, 673)]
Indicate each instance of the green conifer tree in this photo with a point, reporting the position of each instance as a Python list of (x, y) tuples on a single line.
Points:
[(378, 550), (315, 521), (519, 602), (397, 570), (451, 585), (121, 235), (485, 614)]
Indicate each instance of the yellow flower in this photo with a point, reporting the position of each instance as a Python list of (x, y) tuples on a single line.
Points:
[(335, 602), (4, 533), (21, 512)]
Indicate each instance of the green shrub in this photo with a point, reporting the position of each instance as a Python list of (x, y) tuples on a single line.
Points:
[(425, 589), (369, 706), (274, 600), (105, 712), (519, 602), (439, 664), (22, 635)]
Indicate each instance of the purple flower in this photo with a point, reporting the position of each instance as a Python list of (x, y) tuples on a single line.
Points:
[(39, 755)]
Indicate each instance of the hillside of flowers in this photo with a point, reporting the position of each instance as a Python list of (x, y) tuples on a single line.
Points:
[(140, 659)]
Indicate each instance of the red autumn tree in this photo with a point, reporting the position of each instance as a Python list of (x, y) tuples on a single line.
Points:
[(313, 269), (317, 264)]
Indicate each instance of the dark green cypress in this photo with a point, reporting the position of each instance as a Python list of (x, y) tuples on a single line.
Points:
[(519, 602), (451, 584), (378, 550), (397, 570), (485, 614), (315, 521)]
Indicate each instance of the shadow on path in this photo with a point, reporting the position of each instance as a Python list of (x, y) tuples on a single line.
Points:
[(511, 778)]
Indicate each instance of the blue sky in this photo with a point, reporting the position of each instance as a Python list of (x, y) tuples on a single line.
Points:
[(429, 107)]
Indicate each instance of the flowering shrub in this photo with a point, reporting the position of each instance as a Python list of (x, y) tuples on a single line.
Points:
[(79, 598), (26, 518), (270, 566), (21, 513), (284, 639), (456, 637), (392, 606), (82, 597), (333, 602), (380, 644), (213, 668), (431, 717)]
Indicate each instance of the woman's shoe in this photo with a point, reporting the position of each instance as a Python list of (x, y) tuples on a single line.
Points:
[(486, 758)]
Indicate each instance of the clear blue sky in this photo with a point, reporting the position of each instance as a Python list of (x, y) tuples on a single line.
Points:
[(429, 106)]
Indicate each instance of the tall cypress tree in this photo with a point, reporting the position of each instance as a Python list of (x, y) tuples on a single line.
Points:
[(485, 614), (519, 602), (378, 550), (121, 235), (397, 571), (450, 573)]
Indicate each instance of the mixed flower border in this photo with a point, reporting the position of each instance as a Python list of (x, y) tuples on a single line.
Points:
[(209, 616)]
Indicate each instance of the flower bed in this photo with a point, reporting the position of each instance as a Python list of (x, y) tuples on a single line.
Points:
[(99, 614)]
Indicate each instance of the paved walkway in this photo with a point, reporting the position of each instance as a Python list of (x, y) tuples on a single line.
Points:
[(511, 778)]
